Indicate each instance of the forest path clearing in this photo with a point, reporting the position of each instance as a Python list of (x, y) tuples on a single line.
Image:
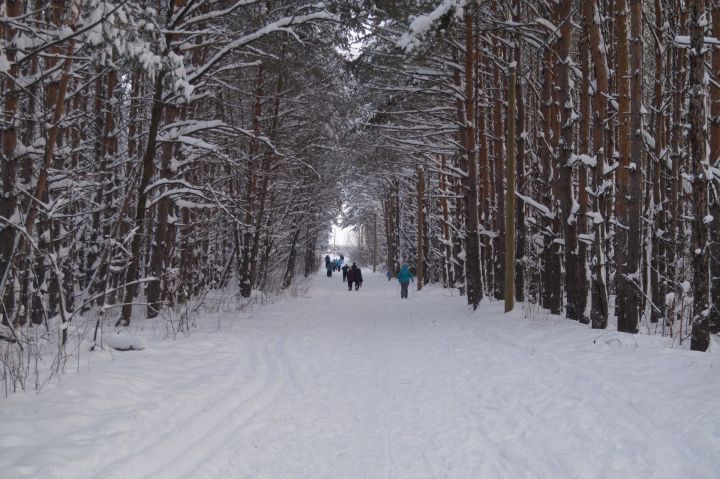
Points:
[(361, 384)]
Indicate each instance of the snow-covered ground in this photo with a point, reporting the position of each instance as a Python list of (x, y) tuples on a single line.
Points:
[(339, 384)]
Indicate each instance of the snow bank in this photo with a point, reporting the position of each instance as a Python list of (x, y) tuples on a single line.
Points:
[(125, 342)]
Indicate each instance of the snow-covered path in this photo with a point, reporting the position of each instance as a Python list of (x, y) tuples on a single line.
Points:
[(338, 384)]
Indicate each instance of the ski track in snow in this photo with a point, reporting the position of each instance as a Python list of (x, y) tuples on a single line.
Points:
[(361, 384)]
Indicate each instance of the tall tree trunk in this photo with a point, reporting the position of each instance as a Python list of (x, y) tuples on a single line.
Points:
[(57, 92), (375, 243), (399, 255), (573, 280), (657, 289), (485, 190), (550, 259), (459, 162), (627, 199), (387, 212), (448, 276), (498, 107), (160, 245), (267, 172), (290, 269), (714, 248), (674, 251), (599, 303), (472, 243), (510, 194), (584, 148), (637, 162), (260, 218), (9, 200), (148, 171), (520, 224), (269, 242), (57, 103), (141, 207), (420, 267), (310, 243), (701, 173), (246, 252)]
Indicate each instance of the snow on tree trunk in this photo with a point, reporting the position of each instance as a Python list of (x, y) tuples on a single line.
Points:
[(599, 294), (714, 226), (700, 166), (627, 199), (472, 243), (510, 195), (574, 270)]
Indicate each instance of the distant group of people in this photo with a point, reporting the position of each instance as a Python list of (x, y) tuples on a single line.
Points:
[(350, 274), (353, 275), (333, 264)]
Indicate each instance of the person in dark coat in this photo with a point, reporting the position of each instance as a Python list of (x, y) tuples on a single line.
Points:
[(345, 269), (357, 276), (350, 278)]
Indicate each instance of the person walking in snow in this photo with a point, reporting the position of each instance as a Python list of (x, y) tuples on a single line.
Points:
[(350, 278), (329, 266), (357, 276), (404, 277), (345, 269)]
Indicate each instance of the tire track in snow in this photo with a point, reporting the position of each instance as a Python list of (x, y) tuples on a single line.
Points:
[(210, 431), (225, 458), (390, 398), (446, 352), (223, 440)]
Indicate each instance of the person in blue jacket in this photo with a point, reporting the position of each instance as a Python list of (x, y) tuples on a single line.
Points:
[(404, 277)]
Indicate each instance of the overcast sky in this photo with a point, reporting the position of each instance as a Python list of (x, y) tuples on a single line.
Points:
[(342, 236)]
